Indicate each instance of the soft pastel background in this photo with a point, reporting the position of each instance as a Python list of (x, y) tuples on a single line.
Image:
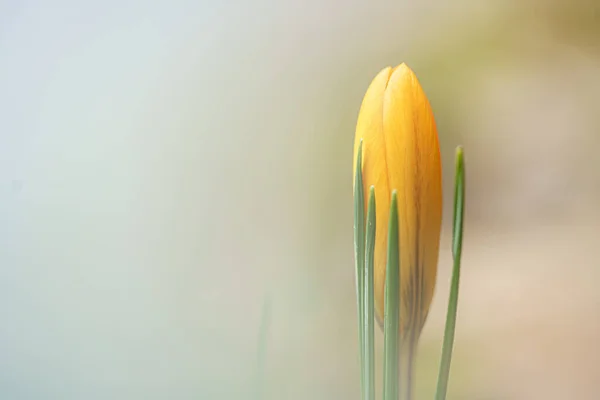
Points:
[(166, 166)]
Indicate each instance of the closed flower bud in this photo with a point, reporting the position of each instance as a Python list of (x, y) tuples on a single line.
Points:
[(401, 152)]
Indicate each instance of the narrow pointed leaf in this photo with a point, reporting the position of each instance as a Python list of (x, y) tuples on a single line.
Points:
[(262, 348), (459, 206), (369, 299), (359, 259), (392, 308)]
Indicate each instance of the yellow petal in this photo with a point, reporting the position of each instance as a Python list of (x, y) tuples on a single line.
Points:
[(370, 128), (412, 143), (401, 151)]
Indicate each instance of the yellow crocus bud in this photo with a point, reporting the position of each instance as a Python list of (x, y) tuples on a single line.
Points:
[(401, 152)]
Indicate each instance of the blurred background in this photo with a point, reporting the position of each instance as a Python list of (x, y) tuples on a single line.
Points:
[(167, 168)]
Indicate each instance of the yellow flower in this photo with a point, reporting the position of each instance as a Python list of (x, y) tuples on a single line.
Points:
[(401, 152)]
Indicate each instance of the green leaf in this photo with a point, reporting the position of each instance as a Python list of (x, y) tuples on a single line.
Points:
[(359, 260), (392, 307), (262, 348), (459, 205), (457, 235), (369, 300)]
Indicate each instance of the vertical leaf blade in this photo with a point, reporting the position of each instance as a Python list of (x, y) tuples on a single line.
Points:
[(262, 348), (359, 260), (457, 235), (369, 299), (392, 307)]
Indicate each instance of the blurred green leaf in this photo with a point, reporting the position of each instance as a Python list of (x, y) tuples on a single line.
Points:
[(359, 259), (262, 348), (459, 205)]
